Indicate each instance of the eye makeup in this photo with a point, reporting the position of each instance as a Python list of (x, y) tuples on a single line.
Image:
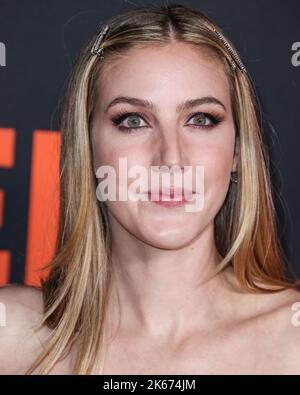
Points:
[(213, 120)]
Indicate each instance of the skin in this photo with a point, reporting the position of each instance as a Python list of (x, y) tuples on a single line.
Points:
[(151, 243), (170, 324)]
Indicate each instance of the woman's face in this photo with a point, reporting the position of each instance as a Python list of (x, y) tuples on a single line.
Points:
[(167, 133)]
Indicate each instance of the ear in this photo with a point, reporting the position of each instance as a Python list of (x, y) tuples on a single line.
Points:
[(236, 154)]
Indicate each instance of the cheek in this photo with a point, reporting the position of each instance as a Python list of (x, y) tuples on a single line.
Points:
[(108, 153), (109, 148), (121, 158), (217, 162)]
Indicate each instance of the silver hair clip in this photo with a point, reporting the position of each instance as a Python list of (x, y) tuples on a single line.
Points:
[(96, 49), (234, 54)]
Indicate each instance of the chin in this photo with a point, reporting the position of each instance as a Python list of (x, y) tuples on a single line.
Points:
[(168, 238)]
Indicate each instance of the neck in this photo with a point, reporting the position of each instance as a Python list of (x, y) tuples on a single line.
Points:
[(157, 291)]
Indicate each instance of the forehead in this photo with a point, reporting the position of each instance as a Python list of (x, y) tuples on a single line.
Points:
[(166, 75)]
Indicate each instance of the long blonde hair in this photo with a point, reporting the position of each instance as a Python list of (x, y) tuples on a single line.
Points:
[(76, 292)]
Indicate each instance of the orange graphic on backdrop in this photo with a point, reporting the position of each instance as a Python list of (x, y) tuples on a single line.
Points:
[(7, 160), (43, 202)]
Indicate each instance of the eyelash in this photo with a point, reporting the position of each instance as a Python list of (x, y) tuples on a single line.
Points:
[(121, 116)]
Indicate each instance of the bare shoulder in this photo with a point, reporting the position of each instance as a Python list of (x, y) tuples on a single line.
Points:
[(283, 304), (23, 296), (21, 309), (281, 321), (288, 309), (277, 307)]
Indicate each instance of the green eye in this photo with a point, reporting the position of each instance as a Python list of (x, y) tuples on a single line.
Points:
[(205, 120), (201, 119), (133, 121)]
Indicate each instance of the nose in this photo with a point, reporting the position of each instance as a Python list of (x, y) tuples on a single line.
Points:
[(169, 151)]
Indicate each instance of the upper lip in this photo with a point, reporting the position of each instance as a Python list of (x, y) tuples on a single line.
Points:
[(174, 192)]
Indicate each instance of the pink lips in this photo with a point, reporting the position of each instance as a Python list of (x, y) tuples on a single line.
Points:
[(177, 197)]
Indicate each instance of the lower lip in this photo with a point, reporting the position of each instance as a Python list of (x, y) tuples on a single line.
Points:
[(168, 203)]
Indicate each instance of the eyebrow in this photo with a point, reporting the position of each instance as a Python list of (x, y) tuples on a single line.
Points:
[(186, 105)]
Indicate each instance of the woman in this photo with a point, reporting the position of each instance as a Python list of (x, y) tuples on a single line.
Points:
[(143, 287)]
